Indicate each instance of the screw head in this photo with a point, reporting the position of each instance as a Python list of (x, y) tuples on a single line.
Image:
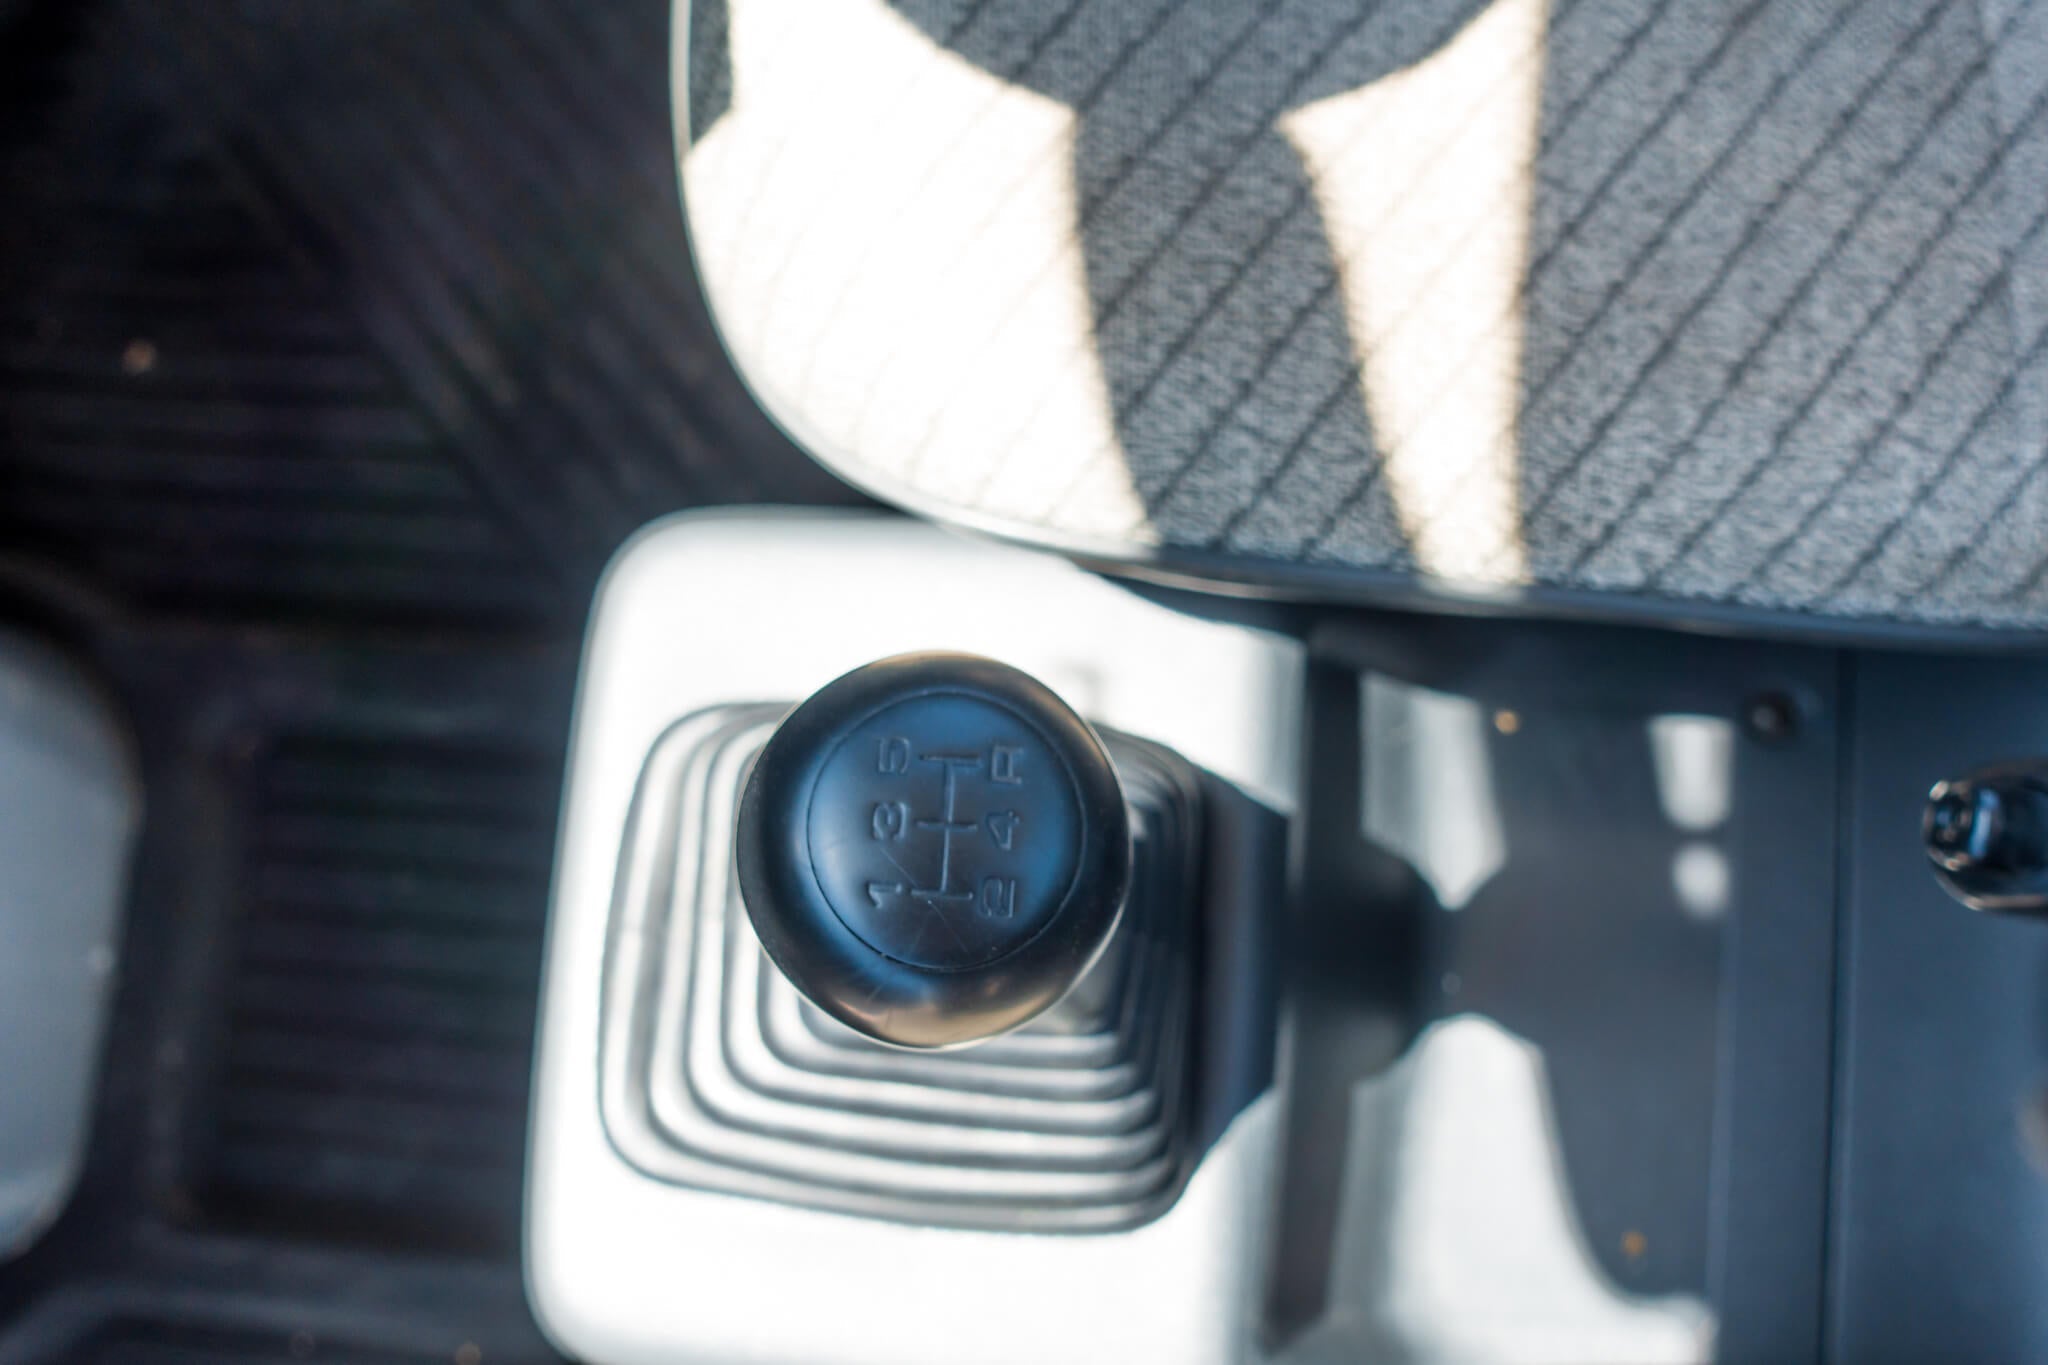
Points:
[(1772, 717)]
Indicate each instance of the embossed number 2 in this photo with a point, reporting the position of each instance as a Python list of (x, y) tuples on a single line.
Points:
[(998, 897)]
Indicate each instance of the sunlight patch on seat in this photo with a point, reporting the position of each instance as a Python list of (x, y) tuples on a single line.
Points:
[(929, 308), (1426, 283)]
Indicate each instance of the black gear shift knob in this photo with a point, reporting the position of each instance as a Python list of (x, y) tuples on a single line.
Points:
[(933, 849)]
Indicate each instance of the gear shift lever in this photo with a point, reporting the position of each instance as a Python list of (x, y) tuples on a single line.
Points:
[(1986, 834), (933, 849)]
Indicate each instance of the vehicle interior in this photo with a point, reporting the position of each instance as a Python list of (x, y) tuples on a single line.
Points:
[(865, 682)]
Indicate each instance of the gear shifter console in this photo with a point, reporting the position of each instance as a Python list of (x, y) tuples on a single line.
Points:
[(934, 849)]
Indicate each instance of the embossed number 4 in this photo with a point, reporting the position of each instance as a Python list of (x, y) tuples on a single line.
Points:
[(1002, 829)]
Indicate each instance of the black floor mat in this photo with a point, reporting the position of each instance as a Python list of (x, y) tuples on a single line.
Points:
[(146, 1343), (364, 311), (340, 346), (391, 893)]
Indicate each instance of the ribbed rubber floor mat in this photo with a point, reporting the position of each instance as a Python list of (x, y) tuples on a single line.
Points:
[(166, 1343), (392, 903), (363, 311), (207, 427), (313, 1109), (340, 346)]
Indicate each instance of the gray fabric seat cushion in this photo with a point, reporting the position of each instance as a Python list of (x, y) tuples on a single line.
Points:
[(1685, 304)]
